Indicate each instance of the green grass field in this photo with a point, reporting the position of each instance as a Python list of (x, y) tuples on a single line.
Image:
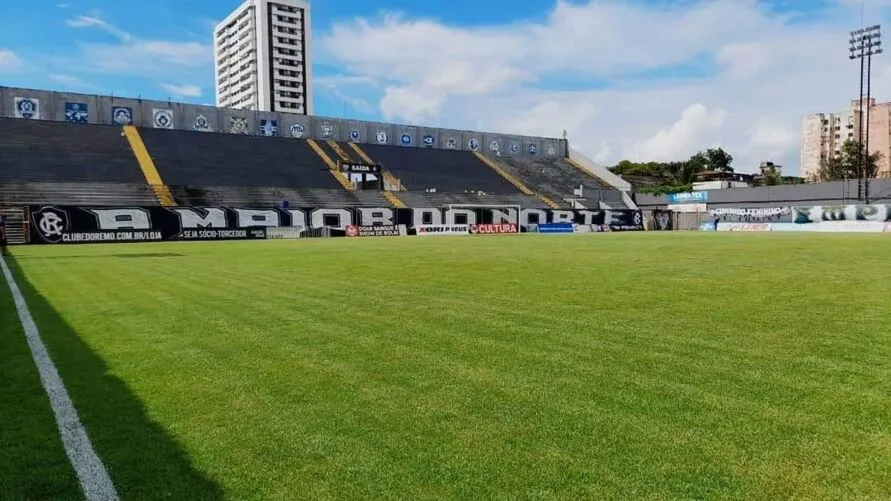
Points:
[(622, 366)]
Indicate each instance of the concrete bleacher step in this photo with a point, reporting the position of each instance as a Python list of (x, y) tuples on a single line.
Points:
[(272, 196), (447, 171), (45, 151), (189, 158), (413, 199), (339, 151), (514, 181), (331, 164), (394, 200), (557, 180), (76, 193)]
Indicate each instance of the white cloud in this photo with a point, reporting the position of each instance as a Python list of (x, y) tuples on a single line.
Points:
[(182, 90), (343, 80), (767, 73), (9, 61), (69, 80), (93, 21), (140, 57), (682, 138)]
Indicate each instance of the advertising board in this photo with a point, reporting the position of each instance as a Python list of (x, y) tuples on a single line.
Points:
[(743, 226), (694, 197), (375, 231), (493, 229), (72, 224), (557, 228), (428, 230)]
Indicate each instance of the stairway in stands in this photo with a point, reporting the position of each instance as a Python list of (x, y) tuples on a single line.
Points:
[(352, 152)]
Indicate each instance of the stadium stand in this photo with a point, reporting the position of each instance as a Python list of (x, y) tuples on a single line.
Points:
[(43, 151), (13, 193), (391, 183), (413, 199), (446, 171), (260, 196), (186, 158), (516, 182), (557, 178)]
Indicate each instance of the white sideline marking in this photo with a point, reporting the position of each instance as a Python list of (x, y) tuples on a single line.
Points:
[(94, 480)]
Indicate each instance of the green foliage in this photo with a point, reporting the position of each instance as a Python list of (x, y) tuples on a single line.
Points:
[(719, 160), (678, 175), (666, 189), (772, 177), (848, 163)]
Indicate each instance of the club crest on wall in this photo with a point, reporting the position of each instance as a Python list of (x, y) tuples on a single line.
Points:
[(201, 123), (268, 127), (27, 108), (76, 113), (381, 137), (452, 143), (162, 118), (326, 130), (122, 115), (297, 130), (405, 139), (473, 144), (238, 125), (428, 141), (354, 135)]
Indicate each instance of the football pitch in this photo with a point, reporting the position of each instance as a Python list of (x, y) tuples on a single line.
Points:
[(603, 366)]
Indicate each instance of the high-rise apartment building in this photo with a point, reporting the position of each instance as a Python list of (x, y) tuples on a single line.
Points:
[(263, 56), (823, 134)]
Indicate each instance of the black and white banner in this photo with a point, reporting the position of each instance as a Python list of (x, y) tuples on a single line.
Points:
[(428, 230), (68, 224)]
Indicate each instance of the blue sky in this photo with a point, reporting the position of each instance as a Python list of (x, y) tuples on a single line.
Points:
[(638, 79), (53, 55)]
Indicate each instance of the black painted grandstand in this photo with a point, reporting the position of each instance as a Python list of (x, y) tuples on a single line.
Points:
[(101, 165), (44, 151)]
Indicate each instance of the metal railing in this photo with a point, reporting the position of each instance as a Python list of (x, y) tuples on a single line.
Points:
[(17, 230)]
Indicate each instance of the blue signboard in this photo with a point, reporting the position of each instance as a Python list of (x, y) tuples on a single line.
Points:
[(695, 197), (556, 228)]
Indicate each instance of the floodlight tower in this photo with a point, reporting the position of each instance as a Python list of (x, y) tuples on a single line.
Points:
[(865, 43)]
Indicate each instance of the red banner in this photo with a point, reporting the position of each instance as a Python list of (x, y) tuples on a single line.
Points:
[(373, 231), (493, 229)]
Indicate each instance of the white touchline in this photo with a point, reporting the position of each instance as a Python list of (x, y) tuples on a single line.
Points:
[(94, 479)]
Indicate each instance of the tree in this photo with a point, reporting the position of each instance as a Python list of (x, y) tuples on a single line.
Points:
[(847, 163), (772, 177), (678, 175), (719, 160)]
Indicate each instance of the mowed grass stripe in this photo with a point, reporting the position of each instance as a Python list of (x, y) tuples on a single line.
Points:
[(660, 366)]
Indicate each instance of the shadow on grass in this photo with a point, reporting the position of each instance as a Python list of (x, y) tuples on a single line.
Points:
[(143, 460), (33, 464)]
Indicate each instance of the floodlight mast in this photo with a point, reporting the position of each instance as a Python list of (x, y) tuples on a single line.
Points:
[(865, 43)]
